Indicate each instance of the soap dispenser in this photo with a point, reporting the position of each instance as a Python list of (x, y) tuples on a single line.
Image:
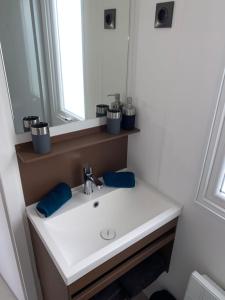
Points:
[(129, 113), (117, 104), (114, 118)]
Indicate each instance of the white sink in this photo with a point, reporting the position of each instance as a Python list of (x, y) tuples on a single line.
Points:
[(73, 235)]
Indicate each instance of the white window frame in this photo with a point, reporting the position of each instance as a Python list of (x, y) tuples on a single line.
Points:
[(209, 195), (52, 50)]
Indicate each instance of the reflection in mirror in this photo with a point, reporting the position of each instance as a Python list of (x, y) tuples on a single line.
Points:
[(63, 58)]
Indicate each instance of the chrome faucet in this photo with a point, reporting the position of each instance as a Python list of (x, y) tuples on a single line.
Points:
[(89, 180)]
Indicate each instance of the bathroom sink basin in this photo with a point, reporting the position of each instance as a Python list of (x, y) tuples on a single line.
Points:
[(89, 230)]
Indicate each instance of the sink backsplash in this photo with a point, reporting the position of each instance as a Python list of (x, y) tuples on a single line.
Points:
[(40, 175)]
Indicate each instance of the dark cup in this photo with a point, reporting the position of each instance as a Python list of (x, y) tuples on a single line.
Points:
[(29, 121), (101, 110), (41, 138)]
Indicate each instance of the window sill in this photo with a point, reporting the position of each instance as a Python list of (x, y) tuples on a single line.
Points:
[(212, 207)]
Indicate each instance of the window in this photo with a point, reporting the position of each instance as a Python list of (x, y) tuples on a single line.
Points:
[(63, 42), (211, 193), (70, 60)]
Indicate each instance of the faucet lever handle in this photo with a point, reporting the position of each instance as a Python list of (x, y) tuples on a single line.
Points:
[(87, 169), (97, 182)]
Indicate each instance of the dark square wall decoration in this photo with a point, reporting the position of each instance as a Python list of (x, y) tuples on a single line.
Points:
[(110, 19), (164, 14)]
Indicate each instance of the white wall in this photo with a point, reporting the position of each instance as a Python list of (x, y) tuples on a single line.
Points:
[(8, 265), (175, 77), (11, 189)]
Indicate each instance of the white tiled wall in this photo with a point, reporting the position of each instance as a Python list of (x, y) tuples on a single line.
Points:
[(176, 77)]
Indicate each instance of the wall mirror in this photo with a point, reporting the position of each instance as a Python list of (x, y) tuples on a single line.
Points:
[(64, 57)]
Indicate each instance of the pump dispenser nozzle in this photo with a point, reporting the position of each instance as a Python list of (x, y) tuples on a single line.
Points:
[(117, 105)]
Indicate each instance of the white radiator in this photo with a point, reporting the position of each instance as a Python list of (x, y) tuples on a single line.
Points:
[(201, 287)]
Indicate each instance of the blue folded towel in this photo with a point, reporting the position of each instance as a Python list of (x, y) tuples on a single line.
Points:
[(119, 179), (52, 201)]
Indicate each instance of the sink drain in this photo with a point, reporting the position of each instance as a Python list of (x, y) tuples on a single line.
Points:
[(108, 234)]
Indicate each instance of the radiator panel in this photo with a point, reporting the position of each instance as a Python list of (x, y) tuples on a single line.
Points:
[(201, 287)]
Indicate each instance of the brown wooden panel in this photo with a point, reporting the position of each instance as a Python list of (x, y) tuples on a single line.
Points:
[(52, 284), (70, 142), (38, 177), (123, 268), (117, 259)]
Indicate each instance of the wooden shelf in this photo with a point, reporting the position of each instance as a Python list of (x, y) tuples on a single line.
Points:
[(71, 142)]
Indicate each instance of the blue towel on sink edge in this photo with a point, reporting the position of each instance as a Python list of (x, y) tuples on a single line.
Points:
[(119, 179), (54, 199)]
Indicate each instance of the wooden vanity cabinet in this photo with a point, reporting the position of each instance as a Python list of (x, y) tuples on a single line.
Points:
[(54, 288)]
